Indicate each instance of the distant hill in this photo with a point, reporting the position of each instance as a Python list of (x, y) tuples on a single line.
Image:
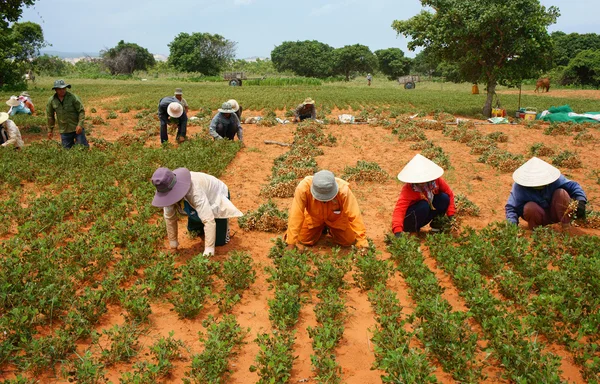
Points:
[(70, 55)]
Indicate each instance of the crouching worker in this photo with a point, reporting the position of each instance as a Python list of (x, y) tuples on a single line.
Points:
[(203, 198), (10, 136), (306, 110), (323, 201), (541, 195), (424, 197), (226, 124)]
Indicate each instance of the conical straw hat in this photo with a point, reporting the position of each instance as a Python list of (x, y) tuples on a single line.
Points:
[(536, 173), (420, 170)]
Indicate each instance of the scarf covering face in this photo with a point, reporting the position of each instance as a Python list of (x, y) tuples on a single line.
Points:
[(427, 190)]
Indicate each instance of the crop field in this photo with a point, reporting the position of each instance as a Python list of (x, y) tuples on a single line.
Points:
[(90, 292)]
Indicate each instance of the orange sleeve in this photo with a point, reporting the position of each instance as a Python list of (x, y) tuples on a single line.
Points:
[(296, 215), (355, 218)]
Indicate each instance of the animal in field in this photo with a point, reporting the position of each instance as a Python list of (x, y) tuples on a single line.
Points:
[(543, 83)]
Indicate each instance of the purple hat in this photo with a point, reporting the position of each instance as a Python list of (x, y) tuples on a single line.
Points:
[(171, 186)]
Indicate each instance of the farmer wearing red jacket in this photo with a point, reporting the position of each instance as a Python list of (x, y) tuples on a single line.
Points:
[(424, 196)]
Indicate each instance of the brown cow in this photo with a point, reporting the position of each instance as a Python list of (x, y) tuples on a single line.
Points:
[(543, 83)]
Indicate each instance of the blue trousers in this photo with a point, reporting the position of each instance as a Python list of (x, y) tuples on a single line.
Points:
[(71, 138), (181, 126), (420, 214)]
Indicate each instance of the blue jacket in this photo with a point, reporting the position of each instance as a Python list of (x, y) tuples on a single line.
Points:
[(519, 196)]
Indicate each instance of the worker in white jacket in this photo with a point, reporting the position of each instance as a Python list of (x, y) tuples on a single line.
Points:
[(9, 132), (205, 200)]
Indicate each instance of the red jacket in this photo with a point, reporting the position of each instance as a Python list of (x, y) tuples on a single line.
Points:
[(409, 197)]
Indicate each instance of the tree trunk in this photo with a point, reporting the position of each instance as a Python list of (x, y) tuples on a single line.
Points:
[(491, 91)]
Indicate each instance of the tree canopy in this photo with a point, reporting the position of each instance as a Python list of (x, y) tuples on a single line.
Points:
[(567, 46), (125, 58), (392, 62), (308, 58), (584, 69), (201, 52), (12, 10), (492, 42), (353, 58)]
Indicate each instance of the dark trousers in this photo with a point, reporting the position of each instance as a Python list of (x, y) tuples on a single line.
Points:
[(196, 226), (536, 215), (227, 131), (304, 117), (181, 126), (420, 214), (71, 138)]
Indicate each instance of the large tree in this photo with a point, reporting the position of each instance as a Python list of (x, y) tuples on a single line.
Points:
[(126, 58), (489, 41), (309, 58), (201, 52), (392, 62), (354, 58), (584, 69)]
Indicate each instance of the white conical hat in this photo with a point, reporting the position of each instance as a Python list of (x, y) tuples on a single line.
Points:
[(536, 173), (420, 170)]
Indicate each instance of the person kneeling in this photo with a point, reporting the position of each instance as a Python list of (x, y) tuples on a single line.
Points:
[(424, 198), (203, 198)]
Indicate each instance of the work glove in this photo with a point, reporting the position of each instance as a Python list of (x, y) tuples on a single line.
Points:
[(173, 244), (581, 209)]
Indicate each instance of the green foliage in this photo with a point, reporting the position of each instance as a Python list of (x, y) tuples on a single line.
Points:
[(201, 52), (238, 274), (365, 171), (275, 359), (304, 58), (464, 206), (267, 218), (194, 287), (392, 62), (87, 370), (285, 307), (583, 69), (123, 343), (567, 46), (567, 159), (50, 65), (353, 58), (488, 42), (371, 270), (283, 81), (27, 40), (125, 58)]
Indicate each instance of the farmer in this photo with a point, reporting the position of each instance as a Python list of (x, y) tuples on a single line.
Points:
[(237, 108), (424, 197), (323, 201), (17, 106), (204, 199), (70, 115), (9, 132), (306, 110), (182, 101), (171, 106), (226, 124), (541, 195), (26, 99), (369, 79)]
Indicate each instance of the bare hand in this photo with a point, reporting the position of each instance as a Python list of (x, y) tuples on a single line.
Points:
[(49, 135), (290, 247), (78, 130)]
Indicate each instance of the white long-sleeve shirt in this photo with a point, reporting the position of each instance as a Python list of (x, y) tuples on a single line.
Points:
[(11, 134), (208, 197)]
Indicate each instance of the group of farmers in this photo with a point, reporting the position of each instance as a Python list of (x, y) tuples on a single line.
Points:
[(325, 204)]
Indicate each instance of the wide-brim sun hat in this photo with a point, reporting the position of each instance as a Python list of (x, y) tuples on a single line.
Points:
[(226, 108), (13, 101), (60, 84), (324, 187), (234, 105), (3, 117), (171, 186), (24, 93), (535, 173), (175, 109), (308, 100), (420, 170), (178, 91)]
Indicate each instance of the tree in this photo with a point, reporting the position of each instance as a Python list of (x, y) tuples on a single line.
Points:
[(126, 58), (11, 11), (201, 52), (489, 41), (354, 58), (308, 58), (50, 65), (567, 46), (392, 62), (584, 69), (27, 39)]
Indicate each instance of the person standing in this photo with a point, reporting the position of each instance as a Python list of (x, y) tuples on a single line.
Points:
[(66, 109), (225, 124), (9, 132), (425, 196), (541, 195), (171, 106), (182, 101), (306, 110), (204, 199), (324, 201), (369, 79)]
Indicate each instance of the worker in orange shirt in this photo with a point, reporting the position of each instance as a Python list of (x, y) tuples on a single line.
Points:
[(323, 201)]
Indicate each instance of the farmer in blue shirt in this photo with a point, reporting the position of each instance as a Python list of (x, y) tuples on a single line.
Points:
[(171, 106), (541, 195)]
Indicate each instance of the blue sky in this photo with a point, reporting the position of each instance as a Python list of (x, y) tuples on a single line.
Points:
[(256, 25)]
